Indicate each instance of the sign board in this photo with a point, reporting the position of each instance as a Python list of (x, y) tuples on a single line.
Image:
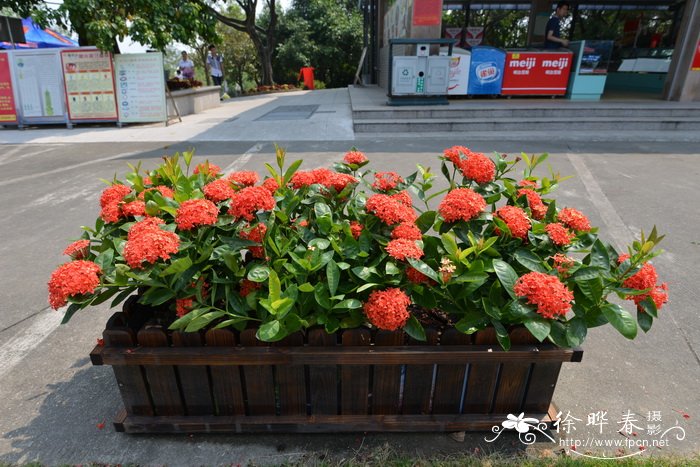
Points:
[(140, 87), (695, 66), (475, 35), (486, 70), (37, 77), (427, 12), (89, 85), (536, 73), (8, 114)]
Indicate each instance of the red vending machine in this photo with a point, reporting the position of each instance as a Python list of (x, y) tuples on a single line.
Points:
[(536, 72)]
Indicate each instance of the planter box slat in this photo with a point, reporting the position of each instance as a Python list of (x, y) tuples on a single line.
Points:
[(162, 380), (450, 378), (194, 380), (258, 380), (291, 381), (418, 386), (226, 380), (543, 380), (482, 379), (386, 382), (354, 384), (323, 379), (313, 424), (514, 377)]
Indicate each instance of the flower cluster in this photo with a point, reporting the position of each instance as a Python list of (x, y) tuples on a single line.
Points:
[(348, 246)]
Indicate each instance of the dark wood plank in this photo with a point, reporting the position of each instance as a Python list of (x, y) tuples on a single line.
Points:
[(226, 380), (258, 380), (194, 380), (482, 377), (386, 379), (291, 381), (354, 379), (162, 381), (449, 381), (513, 379), (130, 379), (418, 383), (323, 379)]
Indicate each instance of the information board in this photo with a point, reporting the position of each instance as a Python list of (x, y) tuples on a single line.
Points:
[(140, 87), (8, 114), (37, 77), (427, 12), (89, 85)]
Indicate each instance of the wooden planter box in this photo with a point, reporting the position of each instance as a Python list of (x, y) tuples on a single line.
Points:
[(360, 380)]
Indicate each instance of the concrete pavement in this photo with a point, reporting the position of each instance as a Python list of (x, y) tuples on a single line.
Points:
[(53, 401)]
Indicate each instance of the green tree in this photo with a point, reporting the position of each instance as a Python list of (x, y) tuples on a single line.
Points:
[(502, 28)]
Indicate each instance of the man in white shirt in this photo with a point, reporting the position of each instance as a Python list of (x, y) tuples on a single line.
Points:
[(186, 67), (215, 66)]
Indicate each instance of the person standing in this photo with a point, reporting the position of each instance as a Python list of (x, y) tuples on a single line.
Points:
[(215, 66), (186, 67), (552, 34)]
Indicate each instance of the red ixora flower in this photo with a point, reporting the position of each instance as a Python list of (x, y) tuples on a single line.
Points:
[(165, 191), (218, 190), (559, 234), (111, 200), (194, 212), (248, 287), (386, 181), (147, 242), (271, 185), (516, 220), (644, 279), (403, 248), (72, 279), (244, 177), (473, 165), (356, 229), (183, 306), (562, 263), (461, 204), (389, 210), (246, 202), (527, 184), (574, 219), (403, 197), (134, 208), (78, 249), (255, 234), (387, 309), (417, 277), (550, 295), (537, 207), (207, 168), (408, 231), (355, 157)]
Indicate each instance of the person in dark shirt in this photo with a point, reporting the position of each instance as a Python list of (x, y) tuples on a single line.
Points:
[(552, 34)]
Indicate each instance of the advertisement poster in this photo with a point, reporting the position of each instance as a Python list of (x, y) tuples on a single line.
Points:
[(537, 73), (459, 74), (89, 84), (8, 114), (140, 87), (695, 66), (475, 35), (37, 76), (486, 70), (427, 12)]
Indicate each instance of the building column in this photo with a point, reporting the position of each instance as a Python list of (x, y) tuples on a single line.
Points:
[(682, 83), (540, 10)]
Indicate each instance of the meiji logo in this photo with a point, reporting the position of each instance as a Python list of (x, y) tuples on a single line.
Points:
[(527, 64), (487, 72), (559, 64)]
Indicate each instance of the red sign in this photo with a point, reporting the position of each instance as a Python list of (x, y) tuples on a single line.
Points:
[(427, 12), (695, 66), (536, 73), (8, 114)]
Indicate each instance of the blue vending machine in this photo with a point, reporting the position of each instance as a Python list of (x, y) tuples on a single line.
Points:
[(486, 70)]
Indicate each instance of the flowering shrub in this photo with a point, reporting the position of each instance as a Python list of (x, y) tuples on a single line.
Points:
[(349, 247)]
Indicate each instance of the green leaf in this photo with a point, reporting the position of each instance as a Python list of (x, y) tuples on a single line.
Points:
[(620, 319), (576, 332), (306, 287), (320, 243), (349, 304), (177, 266), (104, 296), (271, 331), (290, 171), (501, 334), (333, 276), (585, 274), (539, 328), (414, 329), (275, 286), (70, 312), (472, 322), (649, 307), (105, 259), (530, 260), (645, 321), (599, 255), (391, 269), (259, 273), (203, 321), (364, 287), (322, 297), (424, 269), (157, 296), (592, 289), (507, 275), (426, 221), (450, 244), (282, 307)]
